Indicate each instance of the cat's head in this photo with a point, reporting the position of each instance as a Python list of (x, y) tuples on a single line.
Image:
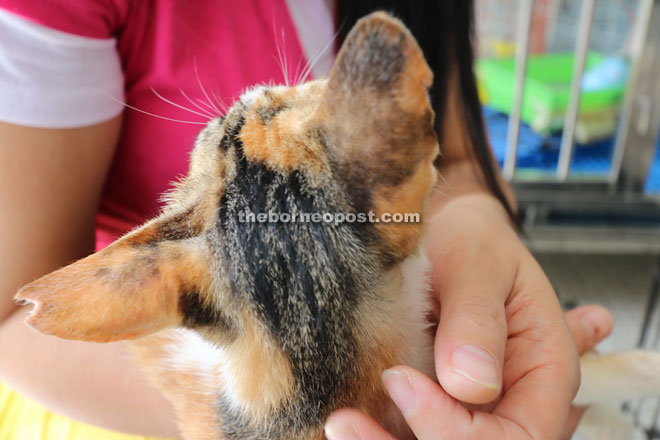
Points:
[(361, 141)]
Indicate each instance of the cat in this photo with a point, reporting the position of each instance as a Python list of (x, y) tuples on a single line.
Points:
[(260, 330)]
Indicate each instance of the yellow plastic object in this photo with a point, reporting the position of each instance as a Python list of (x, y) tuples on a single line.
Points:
[(22, 419), (482, 92), (504, 48)]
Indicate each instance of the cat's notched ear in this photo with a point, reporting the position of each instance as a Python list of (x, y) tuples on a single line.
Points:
[(137, 286)]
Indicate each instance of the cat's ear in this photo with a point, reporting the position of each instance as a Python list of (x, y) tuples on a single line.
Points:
[(136, 286), (376, 102)]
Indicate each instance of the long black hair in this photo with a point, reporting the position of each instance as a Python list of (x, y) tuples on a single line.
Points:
[(444, 30)]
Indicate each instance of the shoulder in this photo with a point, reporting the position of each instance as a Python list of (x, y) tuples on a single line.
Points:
[(89, 18)]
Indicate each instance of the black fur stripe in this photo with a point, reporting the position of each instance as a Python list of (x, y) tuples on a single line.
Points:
[(268, 112), (195, 311), (302, 279), (231, 134)]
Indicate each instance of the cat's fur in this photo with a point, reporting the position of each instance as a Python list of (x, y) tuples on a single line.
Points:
[(260, 330)]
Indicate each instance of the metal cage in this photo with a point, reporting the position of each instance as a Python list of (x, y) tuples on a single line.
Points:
[(599, 213)]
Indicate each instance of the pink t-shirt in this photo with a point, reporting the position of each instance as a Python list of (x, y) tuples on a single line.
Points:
[(170, 47)]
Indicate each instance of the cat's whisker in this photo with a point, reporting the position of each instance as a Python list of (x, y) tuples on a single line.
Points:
[(204, 110), (447, 184), (297, 72), (219, 101), (283, 68), (286, 60), (151, 114), (201, 87), (178, 105), (281, 56), (205, 105), (212, 106), (163, 117), (279, 64), (442, 193)]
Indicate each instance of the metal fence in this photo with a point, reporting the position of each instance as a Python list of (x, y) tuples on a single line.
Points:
[(614, 199)]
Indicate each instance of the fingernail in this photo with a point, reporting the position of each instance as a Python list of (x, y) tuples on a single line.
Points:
[(337, 430), (476, 364), (594, 321), (400, 389)]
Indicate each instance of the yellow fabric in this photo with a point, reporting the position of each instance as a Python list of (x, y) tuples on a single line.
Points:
[(22, 419)]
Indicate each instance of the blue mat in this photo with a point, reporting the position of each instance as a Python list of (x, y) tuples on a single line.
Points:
[(653, 182), (539, 152)]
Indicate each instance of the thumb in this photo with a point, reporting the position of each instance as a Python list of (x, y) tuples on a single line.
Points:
[(471, 280), (470, 344), (351, 424)]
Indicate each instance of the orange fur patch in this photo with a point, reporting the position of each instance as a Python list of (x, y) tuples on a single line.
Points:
[(282, 142), (261, 374), (191, 390), (410, 197)]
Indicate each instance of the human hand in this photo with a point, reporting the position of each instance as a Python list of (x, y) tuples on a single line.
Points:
[(500, 325), (589, 326)]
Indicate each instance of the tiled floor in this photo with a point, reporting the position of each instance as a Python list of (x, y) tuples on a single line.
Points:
[(619, 282)]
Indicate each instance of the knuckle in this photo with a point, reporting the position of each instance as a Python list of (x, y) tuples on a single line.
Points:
[(476, 316)]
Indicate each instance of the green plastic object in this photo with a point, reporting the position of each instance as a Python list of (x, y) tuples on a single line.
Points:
[(546, 94)]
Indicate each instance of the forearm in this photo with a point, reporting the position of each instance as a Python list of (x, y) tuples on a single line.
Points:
[(462, 178), (98, 384)]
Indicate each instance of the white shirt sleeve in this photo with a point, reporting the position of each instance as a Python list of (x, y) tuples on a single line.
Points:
[(54, 79)]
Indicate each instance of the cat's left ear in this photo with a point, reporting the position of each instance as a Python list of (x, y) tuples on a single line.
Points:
[(138, 285), (376, 106)]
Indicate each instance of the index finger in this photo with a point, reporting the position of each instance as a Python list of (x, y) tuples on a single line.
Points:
[(589, 325), (542, 366), (435, 415)]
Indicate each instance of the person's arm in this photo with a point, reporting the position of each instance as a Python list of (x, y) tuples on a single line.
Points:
[(459, 173), (50, 184)]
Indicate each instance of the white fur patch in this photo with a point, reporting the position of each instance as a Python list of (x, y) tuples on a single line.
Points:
[(251, 94), (193, 351), (415, 292), (229, 391)]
